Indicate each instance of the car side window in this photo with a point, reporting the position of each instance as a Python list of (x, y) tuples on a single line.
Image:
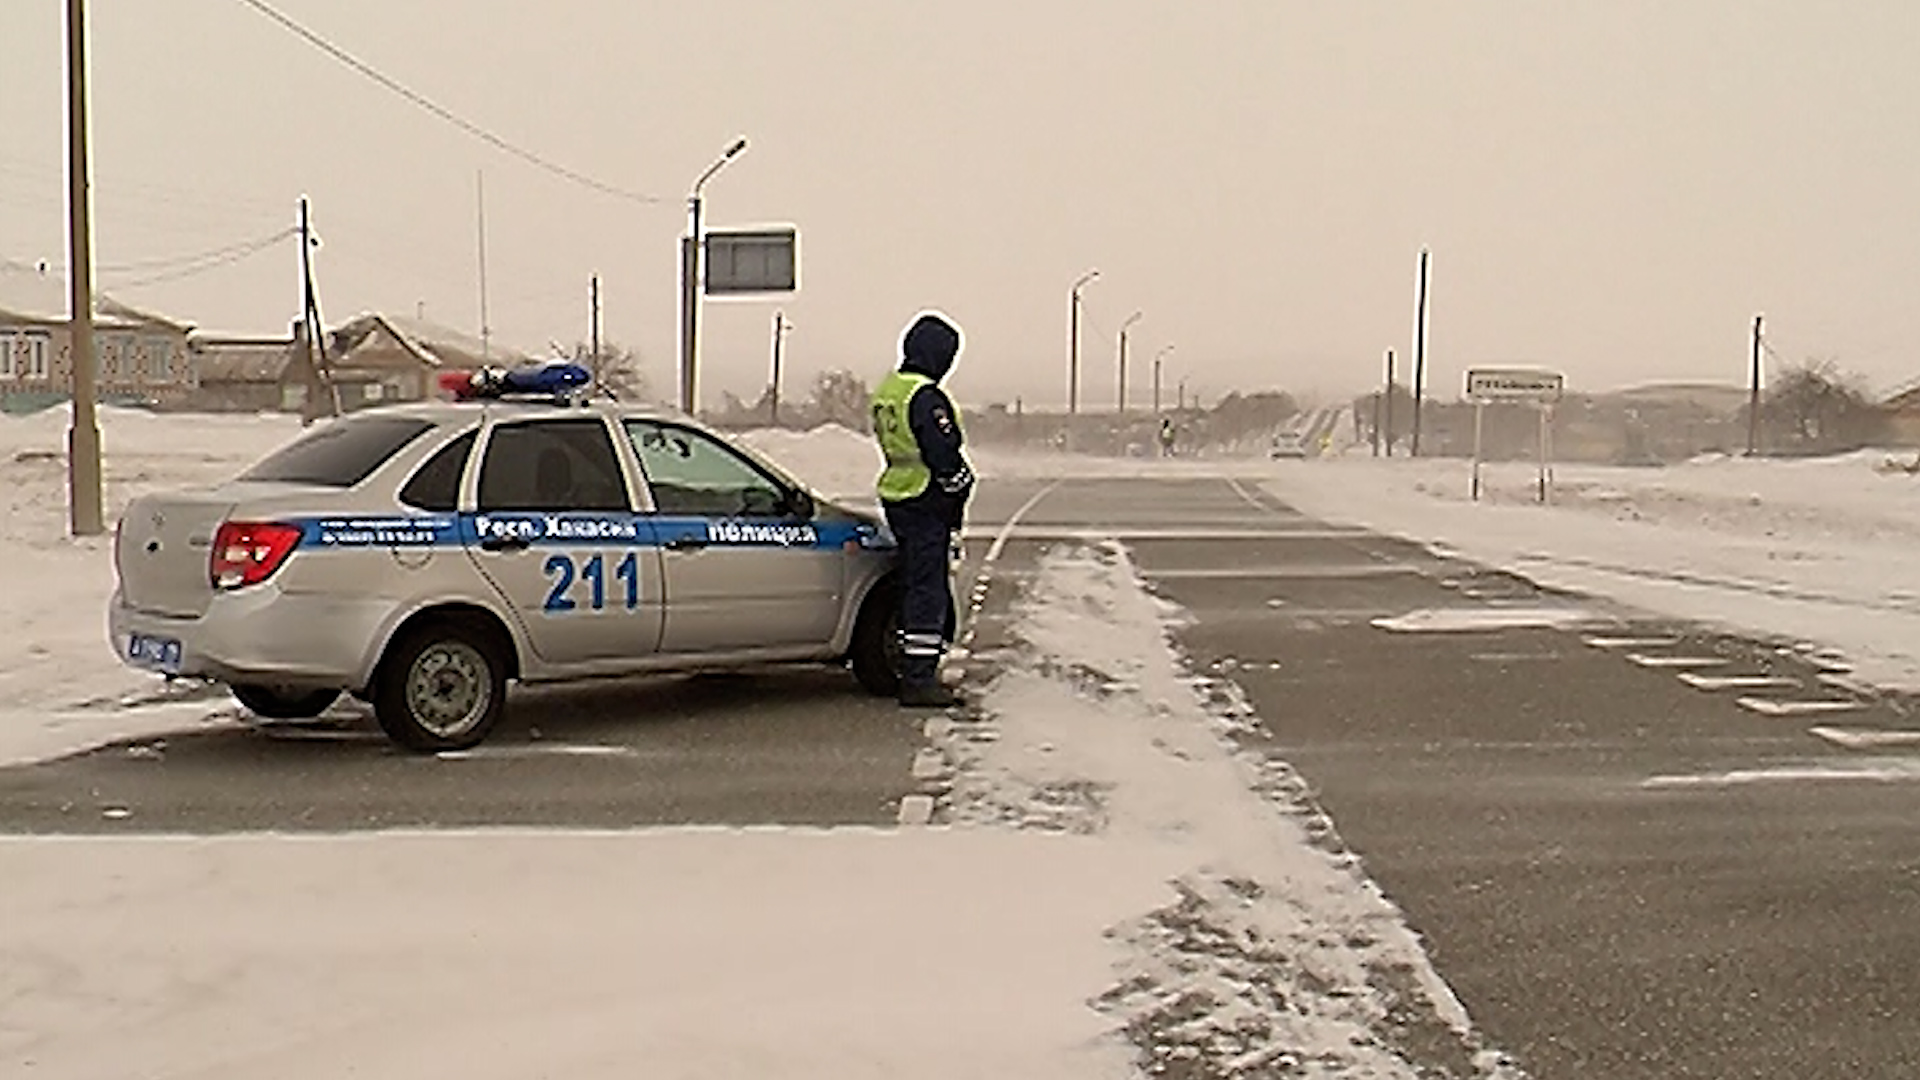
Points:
[(436, 484), (552, 465), (692, 473)]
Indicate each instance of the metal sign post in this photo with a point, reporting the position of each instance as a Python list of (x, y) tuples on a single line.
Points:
[(1543, 388), (1479, 422)]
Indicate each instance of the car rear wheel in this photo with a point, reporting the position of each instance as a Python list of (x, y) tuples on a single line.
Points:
[(284, 703), (442, 686)]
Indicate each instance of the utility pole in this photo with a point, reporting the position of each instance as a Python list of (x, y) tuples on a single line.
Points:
[(1182, 406), (480, 202), (1122, 395), (1753, 394), (780, 328), (86, 514), (593, 324), (690, 247), (312, 329), (1419, 351), (1388, 398)]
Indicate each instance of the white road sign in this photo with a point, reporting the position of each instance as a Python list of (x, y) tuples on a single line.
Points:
[(1514, 384)]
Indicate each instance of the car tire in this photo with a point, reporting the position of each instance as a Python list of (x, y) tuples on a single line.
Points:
[(441, 686), (283, 703), (875, 649)]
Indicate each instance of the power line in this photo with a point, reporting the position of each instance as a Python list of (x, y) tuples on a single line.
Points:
[(233, 255), (165, 262), (443, 113), (161, 267)]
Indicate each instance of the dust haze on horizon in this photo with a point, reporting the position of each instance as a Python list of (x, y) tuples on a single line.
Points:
[(1611, 189)]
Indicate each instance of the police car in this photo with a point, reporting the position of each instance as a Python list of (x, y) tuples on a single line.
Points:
[(420, 557)]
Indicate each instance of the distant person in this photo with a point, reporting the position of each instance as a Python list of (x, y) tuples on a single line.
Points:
[(1166, 437), (924, 490)]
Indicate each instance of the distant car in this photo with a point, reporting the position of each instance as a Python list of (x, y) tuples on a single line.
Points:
[(420, 557), (1287, 445)]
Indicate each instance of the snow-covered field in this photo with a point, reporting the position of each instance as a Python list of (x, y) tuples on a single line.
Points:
[(1104, 824)]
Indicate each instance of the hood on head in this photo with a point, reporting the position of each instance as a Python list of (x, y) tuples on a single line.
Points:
[(930, 346)]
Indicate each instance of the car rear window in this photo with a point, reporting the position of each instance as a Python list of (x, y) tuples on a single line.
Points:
[(340, 454)]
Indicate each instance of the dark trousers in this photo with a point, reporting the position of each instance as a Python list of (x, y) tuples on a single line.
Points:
[(926, 594)]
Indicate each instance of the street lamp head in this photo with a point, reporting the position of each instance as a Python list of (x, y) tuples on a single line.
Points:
[(1090, 275), (734, 150), (1131, 319)]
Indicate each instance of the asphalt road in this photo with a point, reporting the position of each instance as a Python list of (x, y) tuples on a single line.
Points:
[(1618, 871), (1622, 873)]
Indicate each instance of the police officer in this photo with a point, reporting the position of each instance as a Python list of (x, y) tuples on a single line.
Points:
[(924, 489)]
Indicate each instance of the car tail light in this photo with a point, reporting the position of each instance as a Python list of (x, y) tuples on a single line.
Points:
[(248, 552)]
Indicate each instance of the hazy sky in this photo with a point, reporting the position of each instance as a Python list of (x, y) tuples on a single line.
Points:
[(1612, 188)]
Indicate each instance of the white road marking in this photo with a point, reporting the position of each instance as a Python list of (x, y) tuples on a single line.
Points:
[(1676, 661), (1735, 682), (929, 764), (1630, 642), (1883, 773), (530, 750), (1329, 570), (1866, 738), (1770, 707), (916, 810), (1445, 620), (1093, 535)]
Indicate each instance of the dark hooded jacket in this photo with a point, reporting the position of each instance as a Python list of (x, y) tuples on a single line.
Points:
[(929, 349)]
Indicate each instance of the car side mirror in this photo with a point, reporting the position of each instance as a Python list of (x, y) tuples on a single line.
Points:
[(800, 504)]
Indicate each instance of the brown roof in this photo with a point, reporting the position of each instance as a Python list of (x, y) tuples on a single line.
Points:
[(241, 360)]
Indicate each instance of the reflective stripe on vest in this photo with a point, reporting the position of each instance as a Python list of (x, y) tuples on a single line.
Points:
[(906, 475)]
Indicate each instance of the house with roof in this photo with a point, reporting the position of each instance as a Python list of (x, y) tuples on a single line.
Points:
[(371, 359), (141, 357), (1901, 411)]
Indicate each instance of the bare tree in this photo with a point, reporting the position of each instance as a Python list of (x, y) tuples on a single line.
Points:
[(840, 397), (619, 369), (1814, 407)]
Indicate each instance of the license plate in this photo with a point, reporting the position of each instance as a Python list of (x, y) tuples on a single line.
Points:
[(157, 653)]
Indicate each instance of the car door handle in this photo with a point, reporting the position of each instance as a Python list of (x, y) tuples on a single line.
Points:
[(505, 543), (686, 543)]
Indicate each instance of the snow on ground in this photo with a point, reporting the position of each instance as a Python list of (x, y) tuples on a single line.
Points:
[(1813, 551), (61, 687), (678, 953), (834, 461)]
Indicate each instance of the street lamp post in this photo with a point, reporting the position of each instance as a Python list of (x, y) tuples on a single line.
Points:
[(1073, 343), (1164, 350), (690, 283), (1122, 395)]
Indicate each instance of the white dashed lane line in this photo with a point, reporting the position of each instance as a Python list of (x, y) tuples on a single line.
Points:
[(1736, 682)]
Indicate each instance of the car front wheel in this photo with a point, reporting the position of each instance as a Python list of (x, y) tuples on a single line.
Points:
[(875, 650), (284, 703), (442, 686)]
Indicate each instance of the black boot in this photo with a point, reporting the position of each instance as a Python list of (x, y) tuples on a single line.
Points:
[(927, 695)]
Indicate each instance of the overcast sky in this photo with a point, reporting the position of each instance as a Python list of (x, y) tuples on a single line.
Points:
[(1610, 188)]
